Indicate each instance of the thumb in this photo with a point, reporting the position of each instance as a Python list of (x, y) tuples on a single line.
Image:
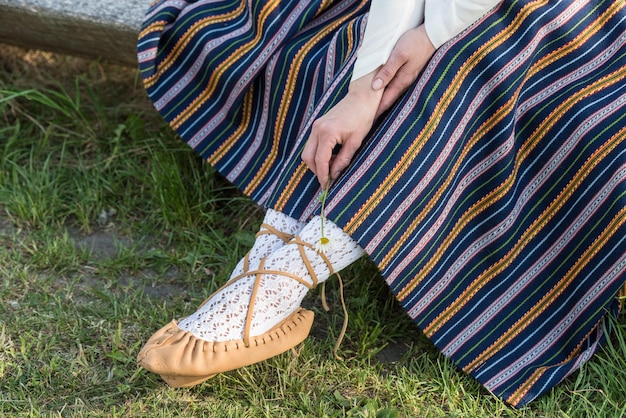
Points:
[(386, 73), (344, 157)]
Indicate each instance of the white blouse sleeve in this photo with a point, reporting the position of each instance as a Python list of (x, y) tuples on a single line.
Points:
[(444, 19), (387, 21)]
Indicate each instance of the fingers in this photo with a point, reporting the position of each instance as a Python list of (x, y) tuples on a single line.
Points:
[(318, 154), (346, 124), (393, 92), (322, 162), (308, 153), (388, 71), (344, 157), (318, 151), (393, 78), (408, 57)]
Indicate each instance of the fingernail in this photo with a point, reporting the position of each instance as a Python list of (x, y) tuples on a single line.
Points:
[(377, 84)]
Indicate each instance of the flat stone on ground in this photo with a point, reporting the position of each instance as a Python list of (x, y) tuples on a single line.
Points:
[(90, 28)]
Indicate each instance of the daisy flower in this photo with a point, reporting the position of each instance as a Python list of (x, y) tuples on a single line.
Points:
[(324, 245)]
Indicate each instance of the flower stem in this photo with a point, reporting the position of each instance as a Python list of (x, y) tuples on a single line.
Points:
[(323, 197)]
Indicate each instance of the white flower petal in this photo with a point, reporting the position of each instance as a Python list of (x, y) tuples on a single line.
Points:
[(324, 245)]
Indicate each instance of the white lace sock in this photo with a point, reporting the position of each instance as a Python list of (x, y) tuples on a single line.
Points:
[(265, 243), (223, 316)]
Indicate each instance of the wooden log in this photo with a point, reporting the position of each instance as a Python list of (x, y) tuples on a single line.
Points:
[(88, 28)]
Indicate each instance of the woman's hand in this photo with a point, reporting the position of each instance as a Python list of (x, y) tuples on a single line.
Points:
[(349, 121), (346, 124), (408, 57)]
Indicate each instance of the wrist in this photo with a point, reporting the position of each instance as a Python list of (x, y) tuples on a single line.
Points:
[(428, 46)]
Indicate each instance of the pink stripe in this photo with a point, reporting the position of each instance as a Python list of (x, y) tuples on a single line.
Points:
[(177, 4), (526, 196), (561, 328), (398, 215), (244, 81), (198, 65), (147, 55), (520, 286), (491, 85)]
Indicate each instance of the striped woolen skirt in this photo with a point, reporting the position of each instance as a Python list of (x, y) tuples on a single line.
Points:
[(491, 197)]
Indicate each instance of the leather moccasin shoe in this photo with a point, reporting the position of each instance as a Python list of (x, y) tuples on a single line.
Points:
[(182, 359)]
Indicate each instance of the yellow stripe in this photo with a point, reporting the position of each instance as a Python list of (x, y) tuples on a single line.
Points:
[(400, 168), (184, 40), (598, 245), (229, 143), (559, 202), (219, 72), (287, 97), (519, 394), (398, 171), (524, 151), (496, 118), (492, 272), (554, 293), (296, 178), (154, 27), (246, 118)]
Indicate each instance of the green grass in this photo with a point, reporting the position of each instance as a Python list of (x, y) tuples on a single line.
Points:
[(110, 227)]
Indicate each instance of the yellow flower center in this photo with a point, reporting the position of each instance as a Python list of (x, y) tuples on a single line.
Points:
[(324, 240)]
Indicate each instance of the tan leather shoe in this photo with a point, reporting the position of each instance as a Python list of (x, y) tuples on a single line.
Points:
[(183, 360)]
